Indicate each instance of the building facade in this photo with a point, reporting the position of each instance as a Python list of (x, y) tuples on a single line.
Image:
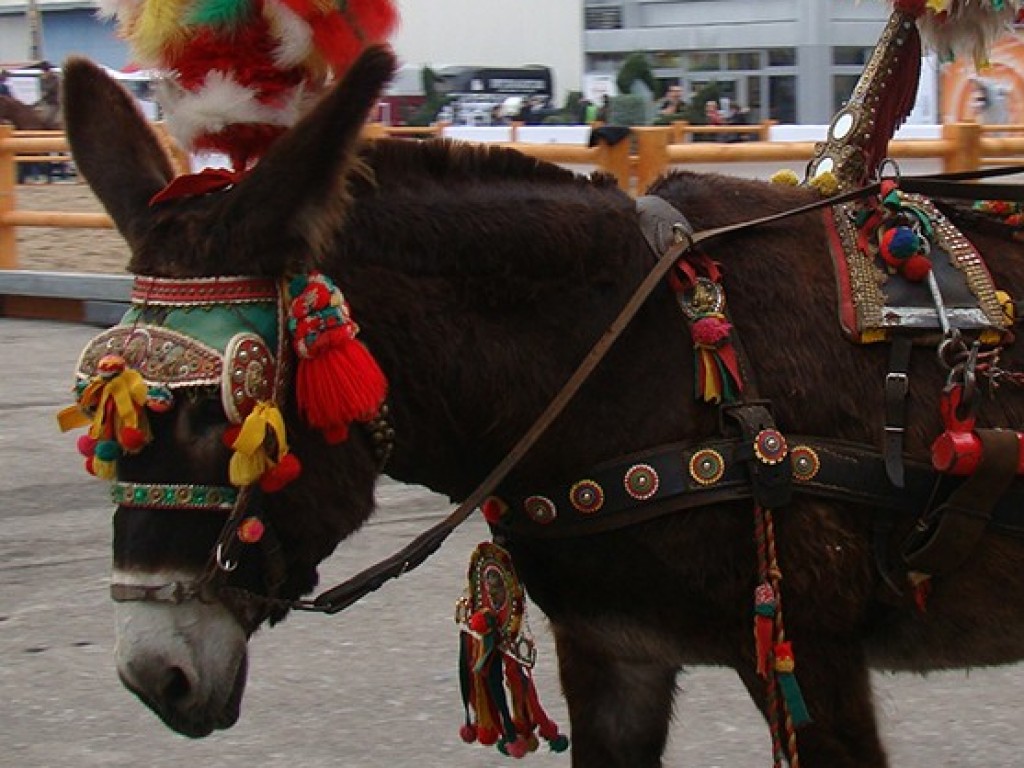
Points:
[(66, 27), (794, 61)]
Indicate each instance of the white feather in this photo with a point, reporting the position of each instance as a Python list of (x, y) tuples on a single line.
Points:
[(969, 28), (223, 101), (295, 36)]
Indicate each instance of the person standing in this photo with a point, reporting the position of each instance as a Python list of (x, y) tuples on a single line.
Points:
[(5, 89), (49, 94), (672, 106)]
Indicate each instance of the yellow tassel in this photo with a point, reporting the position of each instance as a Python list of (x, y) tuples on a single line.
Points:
[(251, 460)]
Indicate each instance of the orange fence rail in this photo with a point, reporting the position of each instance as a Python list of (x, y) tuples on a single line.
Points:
[(962, 146)]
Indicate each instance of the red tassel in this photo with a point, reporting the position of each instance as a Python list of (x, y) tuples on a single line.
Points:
[(895, 100), (764, 626), (340, 383), (337, 381)]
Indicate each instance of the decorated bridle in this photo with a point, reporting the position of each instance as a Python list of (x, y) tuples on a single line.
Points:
[(235, 334)]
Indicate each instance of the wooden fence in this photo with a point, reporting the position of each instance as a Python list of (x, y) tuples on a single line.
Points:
[(962, 146)]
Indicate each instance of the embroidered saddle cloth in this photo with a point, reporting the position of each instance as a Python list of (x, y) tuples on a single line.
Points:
[(884, 287)]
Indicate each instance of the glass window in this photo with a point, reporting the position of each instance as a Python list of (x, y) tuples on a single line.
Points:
[(842, 89), (843, 56), (781, 57), (704, 62), (743, 60), (782, 98), (666, 59)]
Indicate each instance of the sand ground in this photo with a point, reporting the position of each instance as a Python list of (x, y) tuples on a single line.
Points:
[(53, 249)]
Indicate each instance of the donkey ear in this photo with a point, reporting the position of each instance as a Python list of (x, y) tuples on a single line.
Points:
[(112, 144), (294, 198)]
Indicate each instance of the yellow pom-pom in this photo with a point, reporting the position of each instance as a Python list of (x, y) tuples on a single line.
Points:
[(826, 183), (785, 176)]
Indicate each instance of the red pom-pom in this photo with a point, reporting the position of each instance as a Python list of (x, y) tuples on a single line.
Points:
[(468, 733), (131, 439), (493, 509), (90, 466), (250, 530), (916, 268), (487, 736), (479, 622), (86, 445), (710, 331), (278, 476)]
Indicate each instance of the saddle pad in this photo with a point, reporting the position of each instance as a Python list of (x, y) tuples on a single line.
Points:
[(875, 301)]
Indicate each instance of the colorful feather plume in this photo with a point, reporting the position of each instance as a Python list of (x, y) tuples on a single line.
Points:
[(238, 73), (955, 28)]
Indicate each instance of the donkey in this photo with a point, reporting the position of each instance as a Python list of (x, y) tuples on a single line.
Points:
[(480, 279)]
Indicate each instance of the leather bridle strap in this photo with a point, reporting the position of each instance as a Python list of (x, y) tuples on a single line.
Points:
[(954, 185), (419, 549)]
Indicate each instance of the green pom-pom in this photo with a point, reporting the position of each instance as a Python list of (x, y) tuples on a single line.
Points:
[(560, 743), (107, 450)]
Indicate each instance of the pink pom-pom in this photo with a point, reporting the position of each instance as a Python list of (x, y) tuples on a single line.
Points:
[(86, 445), (518, 748), (710, 331), (468, 733)]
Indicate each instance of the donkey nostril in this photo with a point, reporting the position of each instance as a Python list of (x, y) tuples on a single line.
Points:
[(176, 686)]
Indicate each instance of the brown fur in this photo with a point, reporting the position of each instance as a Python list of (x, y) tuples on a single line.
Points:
[(480, 279)]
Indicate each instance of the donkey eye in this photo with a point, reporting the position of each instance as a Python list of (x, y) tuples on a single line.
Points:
[(207, 413)]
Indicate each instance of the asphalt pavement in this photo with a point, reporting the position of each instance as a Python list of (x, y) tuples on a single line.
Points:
[(373, 687)]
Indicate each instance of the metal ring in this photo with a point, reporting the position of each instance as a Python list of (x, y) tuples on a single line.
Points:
[(887, 161), (225, 565)]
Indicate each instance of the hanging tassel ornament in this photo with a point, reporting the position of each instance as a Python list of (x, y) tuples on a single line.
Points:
[(338, 381), (718, 371), (496, 656), (261, 451), (764, 626), (112, 404), (785, 665)]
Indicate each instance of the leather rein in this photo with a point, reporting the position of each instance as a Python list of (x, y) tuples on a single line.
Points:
[(668, 243)]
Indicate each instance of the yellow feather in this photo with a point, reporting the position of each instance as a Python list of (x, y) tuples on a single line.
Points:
[(160, 28)]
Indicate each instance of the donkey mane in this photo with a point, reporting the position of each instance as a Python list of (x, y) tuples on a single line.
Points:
[(526, 229)]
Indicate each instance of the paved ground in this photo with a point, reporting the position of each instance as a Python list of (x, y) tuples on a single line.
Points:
[(374, 687)]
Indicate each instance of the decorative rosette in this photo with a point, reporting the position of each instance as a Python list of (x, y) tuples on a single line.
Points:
[(961, 27), (240, 72)]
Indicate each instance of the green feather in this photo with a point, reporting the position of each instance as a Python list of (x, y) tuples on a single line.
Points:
[(221, 13)]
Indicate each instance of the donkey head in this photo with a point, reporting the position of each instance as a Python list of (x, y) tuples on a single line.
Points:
[(201, 537)]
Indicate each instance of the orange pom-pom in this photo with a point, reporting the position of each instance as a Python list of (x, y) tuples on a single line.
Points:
[(250, 530)]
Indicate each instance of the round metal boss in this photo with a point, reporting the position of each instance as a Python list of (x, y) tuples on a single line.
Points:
[(805, 463), (707, 466), (641, 481), (586, 496), (540, 509), (770, 446)]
